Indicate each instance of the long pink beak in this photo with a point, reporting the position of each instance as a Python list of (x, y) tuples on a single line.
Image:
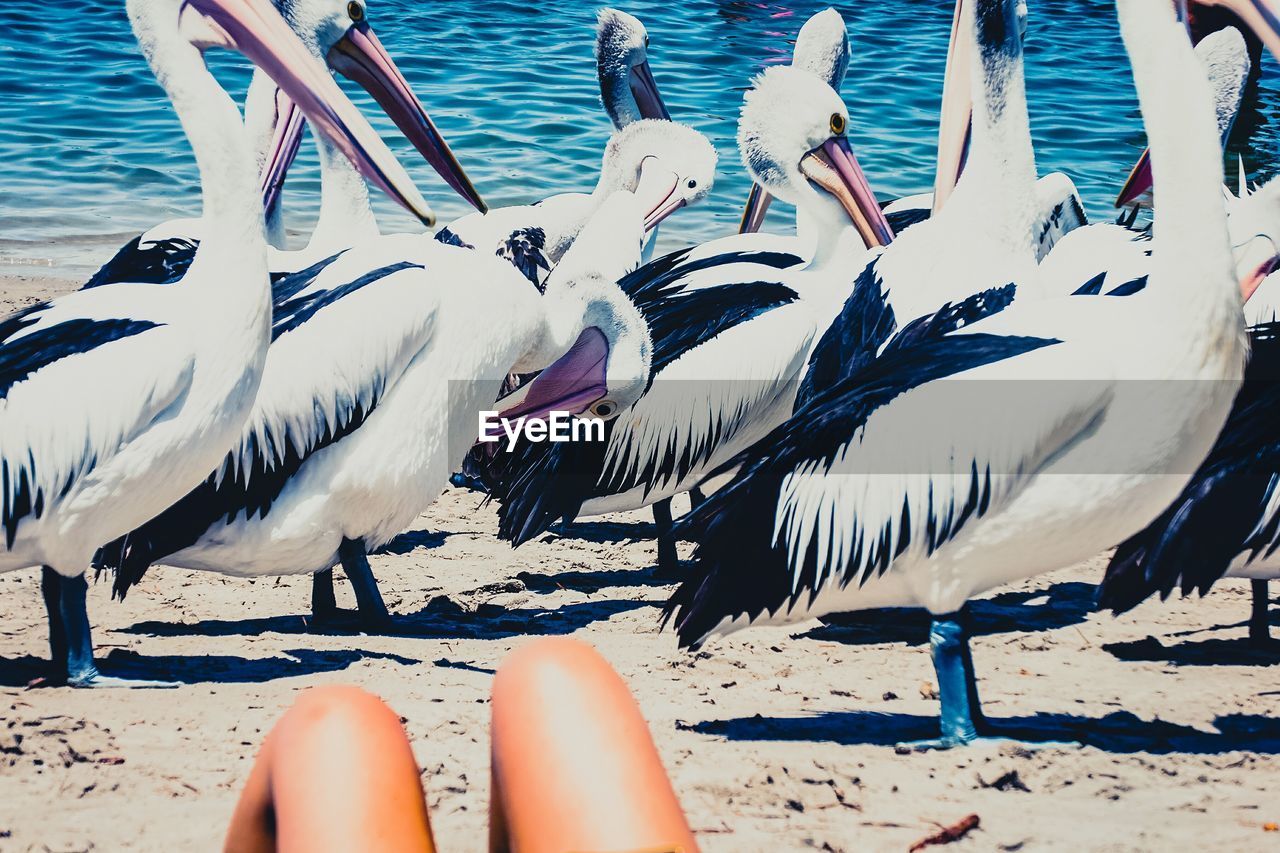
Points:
[(645, 90), (572, 384), (285, 141), (255, 28), (360, 56), (834, 167), (956, 118)]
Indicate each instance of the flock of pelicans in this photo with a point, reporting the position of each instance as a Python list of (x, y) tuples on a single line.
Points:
[(907, 405)]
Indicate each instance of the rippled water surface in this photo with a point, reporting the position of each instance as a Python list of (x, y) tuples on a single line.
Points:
[(89, 147)]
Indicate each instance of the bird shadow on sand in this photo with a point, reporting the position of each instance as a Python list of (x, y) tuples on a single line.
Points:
[(1119, 732), (1217, 651), (605, 532), (443, 618), (413, 540), (205, 669), (1060, 605), (590, 582)]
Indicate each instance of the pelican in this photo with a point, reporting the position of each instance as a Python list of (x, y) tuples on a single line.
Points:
[(358, 424), (117, 400), (1059, 210), (732, 335), (336, 32), (535, 236), (894, 487), (1224, 523)]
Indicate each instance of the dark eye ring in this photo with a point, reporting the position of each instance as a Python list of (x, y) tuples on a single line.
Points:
[(693, 184), (355, 11), (837, 124)]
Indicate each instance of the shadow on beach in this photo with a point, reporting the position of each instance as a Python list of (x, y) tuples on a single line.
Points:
[(1119, 732)]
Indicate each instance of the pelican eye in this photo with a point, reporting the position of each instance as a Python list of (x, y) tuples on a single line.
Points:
[(355, 11), (838, 124), (604, 408), (646, 42), (693, 185)]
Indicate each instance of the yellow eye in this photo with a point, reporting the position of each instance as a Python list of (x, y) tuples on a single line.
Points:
[(838, 124), (604, 408), (355, 11)]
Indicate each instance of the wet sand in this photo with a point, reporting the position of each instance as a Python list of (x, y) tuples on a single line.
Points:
[(779, 738)]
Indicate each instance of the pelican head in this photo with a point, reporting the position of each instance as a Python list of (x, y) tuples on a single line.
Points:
[(1253, 224), (605, 368), (339, 33), (822, 48), (792, 139), (667, 165), (168, 28), (627, 87)]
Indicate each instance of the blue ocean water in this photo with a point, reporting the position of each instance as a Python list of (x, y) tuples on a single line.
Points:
[(89, 148)]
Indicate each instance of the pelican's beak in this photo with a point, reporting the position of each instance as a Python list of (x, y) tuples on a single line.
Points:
[(1259, 258), (285, 141), (1139, 182), (575, 382), (359, 56), (956, 117), (255, 28), (658, 191), (1261, 16), (754, 210), (833, 167), (645, 90)]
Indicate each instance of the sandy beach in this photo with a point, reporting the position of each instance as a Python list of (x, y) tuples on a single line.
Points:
[(775, 739)]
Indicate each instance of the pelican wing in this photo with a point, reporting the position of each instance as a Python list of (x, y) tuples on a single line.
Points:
[(73, 391), (320, 384), (887, 461), (687, 299), (1231, 505)]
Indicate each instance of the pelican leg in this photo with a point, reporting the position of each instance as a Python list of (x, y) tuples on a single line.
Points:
[(77, 640), (324, 605), (668, 559), (51, 589), (961, 719), (1259, 621), (373, 611), (696, 498)]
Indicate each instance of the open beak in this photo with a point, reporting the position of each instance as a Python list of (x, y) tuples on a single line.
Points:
[(255, 28), (1259, 259), (754, 210), (956, 117), (572, 384), (285, 141), (833, 167), (645, 90), (359, 56)]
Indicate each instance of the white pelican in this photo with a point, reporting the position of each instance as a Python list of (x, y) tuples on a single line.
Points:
[(1224, 523), (1057, 203), (732, 332), (338, 33), (119, 399), (534, 236), (893, 487), (373, 384)]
